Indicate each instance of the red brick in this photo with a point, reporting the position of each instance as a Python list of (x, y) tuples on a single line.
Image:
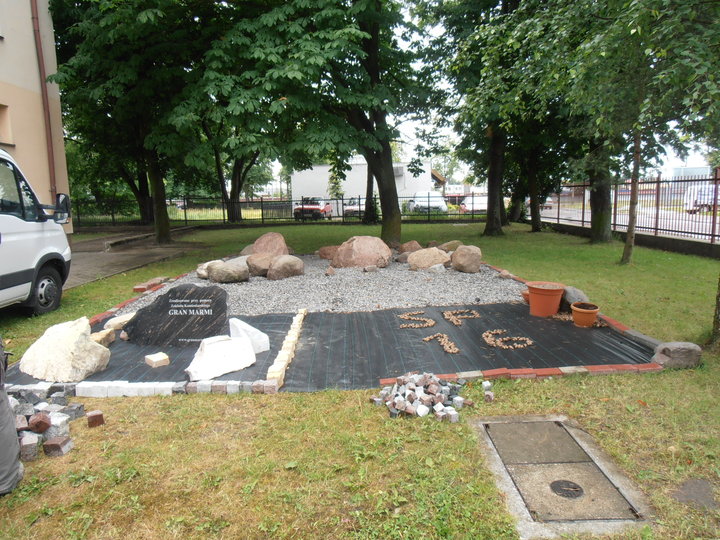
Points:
[(156, 287), (142, 287), (548, 372), (603, 369), (626, 368), (39, 422), (21, 423), (447, 376), (500, 373), (100, 317), (524, 373), (388, 382), (652, 366), (57, 446), (616, 324), (95, 418)]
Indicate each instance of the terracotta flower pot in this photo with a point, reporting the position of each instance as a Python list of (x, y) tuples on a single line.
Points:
[(584, 314), (545, 297), (526, 296)]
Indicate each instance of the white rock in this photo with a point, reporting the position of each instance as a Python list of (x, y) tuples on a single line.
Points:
[(65, 353), (423, 410), (260, 340), (219, 355), (119, 322), (157, 360)]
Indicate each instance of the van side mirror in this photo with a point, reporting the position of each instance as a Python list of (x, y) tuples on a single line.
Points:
[(62, 209)]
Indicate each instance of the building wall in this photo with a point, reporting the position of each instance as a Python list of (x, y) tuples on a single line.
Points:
[(314, 182), (22, 123)]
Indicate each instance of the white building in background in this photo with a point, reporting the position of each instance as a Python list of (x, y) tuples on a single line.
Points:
[(315, 182)]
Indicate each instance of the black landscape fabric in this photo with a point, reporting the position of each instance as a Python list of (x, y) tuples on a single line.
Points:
[(354, 350)]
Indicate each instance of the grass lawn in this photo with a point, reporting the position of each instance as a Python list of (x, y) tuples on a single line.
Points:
[(331, 465)]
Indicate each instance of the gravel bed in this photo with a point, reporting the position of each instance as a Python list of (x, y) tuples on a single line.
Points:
[(351, 289)]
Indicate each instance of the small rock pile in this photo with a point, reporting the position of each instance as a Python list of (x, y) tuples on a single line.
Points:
[(415, 394), (45, 421)]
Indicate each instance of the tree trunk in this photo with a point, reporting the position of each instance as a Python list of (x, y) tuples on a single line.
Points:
[(632, 213), (380, 164), (600, 198), (140, 190), (236, 181), (157, 185), (370, 215), (715, 336), (493, 227), (530, 166)]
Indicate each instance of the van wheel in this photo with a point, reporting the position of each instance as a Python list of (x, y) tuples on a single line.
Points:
[(46, 292)]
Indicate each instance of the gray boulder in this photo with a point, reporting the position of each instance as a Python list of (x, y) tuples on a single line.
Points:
[(259, 263), (362, 251), (285, 266), (677, 355), (467, 259), (232, 271), (425, 258), (570, 296)]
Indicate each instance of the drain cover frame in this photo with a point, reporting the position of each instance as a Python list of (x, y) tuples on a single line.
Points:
[(638, 511)]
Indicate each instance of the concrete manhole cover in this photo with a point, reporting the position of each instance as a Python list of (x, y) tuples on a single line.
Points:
[(567, 489), (557, 480)]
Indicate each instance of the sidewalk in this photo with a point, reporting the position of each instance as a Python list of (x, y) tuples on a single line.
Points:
[(111, 254)]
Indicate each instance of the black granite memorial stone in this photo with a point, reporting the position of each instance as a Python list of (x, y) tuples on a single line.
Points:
[(181, 317)]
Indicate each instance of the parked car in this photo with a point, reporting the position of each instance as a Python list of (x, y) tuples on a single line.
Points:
[(427, 201), (474, 204), (699, 198), (34, 251), (312, 208), (354, 207)]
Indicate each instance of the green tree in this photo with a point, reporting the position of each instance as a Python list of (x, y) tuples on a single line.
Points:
[(126, 74)]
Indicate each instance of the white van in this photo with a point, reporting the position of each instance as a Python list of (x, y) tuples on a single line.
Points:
[(34, 251)]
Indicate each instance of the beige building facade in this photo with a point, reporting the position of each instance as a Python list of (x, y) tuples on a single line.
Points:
[(30, 115)]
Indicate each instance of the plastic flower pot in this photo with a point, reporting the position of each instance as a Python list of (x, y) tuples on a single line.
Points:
[(545, 297), (584, 314)]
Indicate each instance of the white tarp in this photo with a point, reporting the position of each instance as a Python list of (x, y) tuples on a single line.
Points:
[(260, 340), (219, 355)]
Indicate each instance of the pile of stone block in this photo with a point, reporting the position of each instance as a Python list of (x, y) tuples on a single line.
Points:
[(42, 419), (415, 394)]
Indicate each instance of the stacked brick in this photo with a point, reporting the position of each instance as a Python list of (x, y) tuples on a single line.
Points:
[(42, 420), (415, 394)]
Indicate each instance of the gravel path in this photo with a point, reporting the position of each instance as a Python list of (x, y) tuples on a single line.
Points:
[(351, 289)]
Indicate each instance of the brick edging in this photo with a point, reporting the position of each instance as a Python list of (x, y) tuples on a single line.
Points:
[(541, 373)]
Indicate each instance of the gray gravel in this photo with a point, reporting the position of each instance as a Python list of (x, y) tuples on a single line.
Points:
[(351, 289)]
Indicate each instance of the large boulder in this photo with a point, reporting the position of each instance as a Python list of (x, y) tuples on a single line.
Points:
[(327, 252), (409, 247), (425, 258), (362, 251), (202, 272), (570, 296), (231, 271), (467, 259), (677, 355), (65, 353), (452, 245), (259, 263), (271, 242), (285, 266)]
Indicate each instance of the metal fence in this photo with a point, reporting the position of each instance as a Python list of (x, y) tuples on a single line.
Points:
[(684, 207), (681, 207), (191, 210)]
